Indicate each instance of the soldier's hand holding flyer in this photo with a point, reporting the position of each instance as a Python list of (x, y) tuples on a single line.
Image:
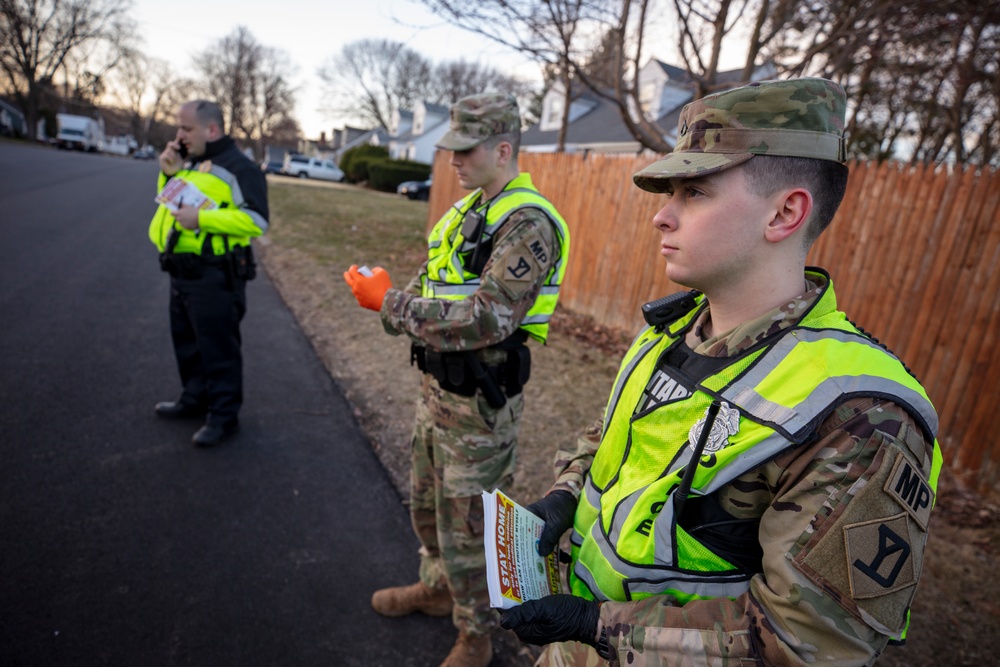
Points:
[(515, 572)]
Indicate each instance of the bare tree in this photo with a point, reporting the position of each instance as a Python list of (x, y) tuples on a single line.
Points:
[(145, 87), (561, 34), (547, 30), (455, 79), (622, 59), (706, 26), (252, 84), (86, 70), (39, 37), (272, 102), (922, 76), (373, 78)]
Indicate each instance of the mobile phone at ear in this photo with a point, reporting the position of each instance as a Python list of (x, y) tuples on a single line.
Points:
[(182, 151)]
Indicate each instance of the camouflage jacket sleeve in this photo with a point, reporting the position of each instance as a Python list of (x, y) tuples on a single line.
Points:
[(572, 463), (413, 287), (842, 554), (495, 310)]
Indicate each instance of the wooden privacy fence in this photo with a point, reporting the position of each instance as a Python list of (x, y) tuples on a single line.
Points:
[(913, 253)]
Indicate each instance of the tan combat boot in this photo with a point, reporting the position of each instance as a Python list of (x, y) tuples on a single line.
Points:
[(470, 651), (403, 600)]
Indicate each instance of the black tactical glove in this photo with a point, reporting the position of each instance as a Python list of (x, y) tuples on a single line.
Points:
[(555, 618), (557, 509)]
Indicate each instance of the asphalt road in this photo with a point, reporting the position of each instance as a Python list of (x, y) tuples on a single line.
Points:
[(120, 542)]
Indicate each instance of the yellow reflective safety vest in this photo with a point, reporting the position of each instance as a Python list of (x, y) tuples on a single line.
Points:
[(447, 276), (236, 222), (626, 541)]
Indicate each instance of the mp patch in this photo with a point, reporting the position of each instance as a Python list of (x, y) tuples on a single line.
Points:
[(909, 488), (540, 251), (879, 557)]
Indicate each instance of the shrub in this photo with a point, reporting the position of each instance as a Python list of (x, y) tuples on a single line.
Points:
[(354, 162), (386, 175)]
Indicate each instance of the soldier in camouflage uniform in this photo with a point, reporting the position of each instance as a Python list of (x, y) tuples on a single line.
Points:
[(791, 531), (491, 280)]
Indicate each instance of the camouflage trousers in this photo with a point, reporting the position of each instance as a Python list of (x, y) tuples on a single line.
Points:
[(461, 447), (569, 654)]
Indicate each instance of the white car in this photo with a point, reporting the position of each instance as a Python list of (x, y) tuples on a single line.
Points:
[(312, 167)]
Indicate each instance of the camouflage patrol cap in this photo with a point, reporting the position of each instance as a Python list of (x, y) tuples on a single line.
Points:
[(795, 118), (476, 118)]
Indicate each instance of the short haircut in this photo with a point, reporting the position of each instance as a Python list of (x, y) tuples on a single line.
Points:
[(207, 113), (826, 180), (513, 138)]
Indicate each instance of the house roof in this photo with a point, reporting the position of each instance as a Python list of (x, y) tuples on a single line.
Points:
[(603, 124), (439, 109), (411, 135), (11, 109), (383, 138), (675, 73)]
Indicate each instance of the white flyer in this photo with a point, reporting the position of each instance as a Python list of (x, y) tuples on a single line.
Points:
[(179, 192), (514, 570)]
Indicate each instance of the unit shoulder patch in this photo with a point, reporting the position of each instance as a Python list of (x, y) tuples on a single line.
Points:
[(518, 268), (879, 557), (909, 488)]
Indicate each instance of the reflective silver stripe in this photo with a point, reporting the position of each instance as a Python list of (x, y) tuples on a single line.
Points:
[(752, 402), (623, 377), (622, 511), (749, 459), (591, 491), (450, 289), (548, 290), (257, 218), (490, 228), (867, 384), (586, 576), (536, 319), (456, 265), (700, 587), (773, 357), (469, 287), (229, 178), (715, 585), (743, 392), (664, 528)]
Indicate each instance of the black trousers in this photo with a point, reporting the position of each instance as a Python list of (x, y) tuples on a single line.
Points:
[(205, 315)]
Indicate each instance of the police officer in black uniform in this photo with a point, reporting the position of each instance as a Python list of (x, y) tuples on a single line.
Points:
[(213, 201)]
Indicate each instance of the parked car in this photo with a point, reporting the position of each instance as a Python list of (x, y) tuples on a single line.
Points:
[(272, 167), (144, 154), (311, 167), (416, 189)]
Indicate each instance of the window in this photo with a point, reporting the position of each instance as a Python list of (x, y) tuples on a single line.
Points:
[(647, 97), (554, 116)]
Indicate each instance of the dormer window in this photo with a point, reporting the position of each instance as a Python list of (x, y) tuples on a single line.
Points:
[(552, 113), (647, 97)]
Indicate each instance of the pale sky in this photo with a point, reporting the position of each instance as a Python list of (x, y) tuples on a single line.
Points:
[(311, 32)]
